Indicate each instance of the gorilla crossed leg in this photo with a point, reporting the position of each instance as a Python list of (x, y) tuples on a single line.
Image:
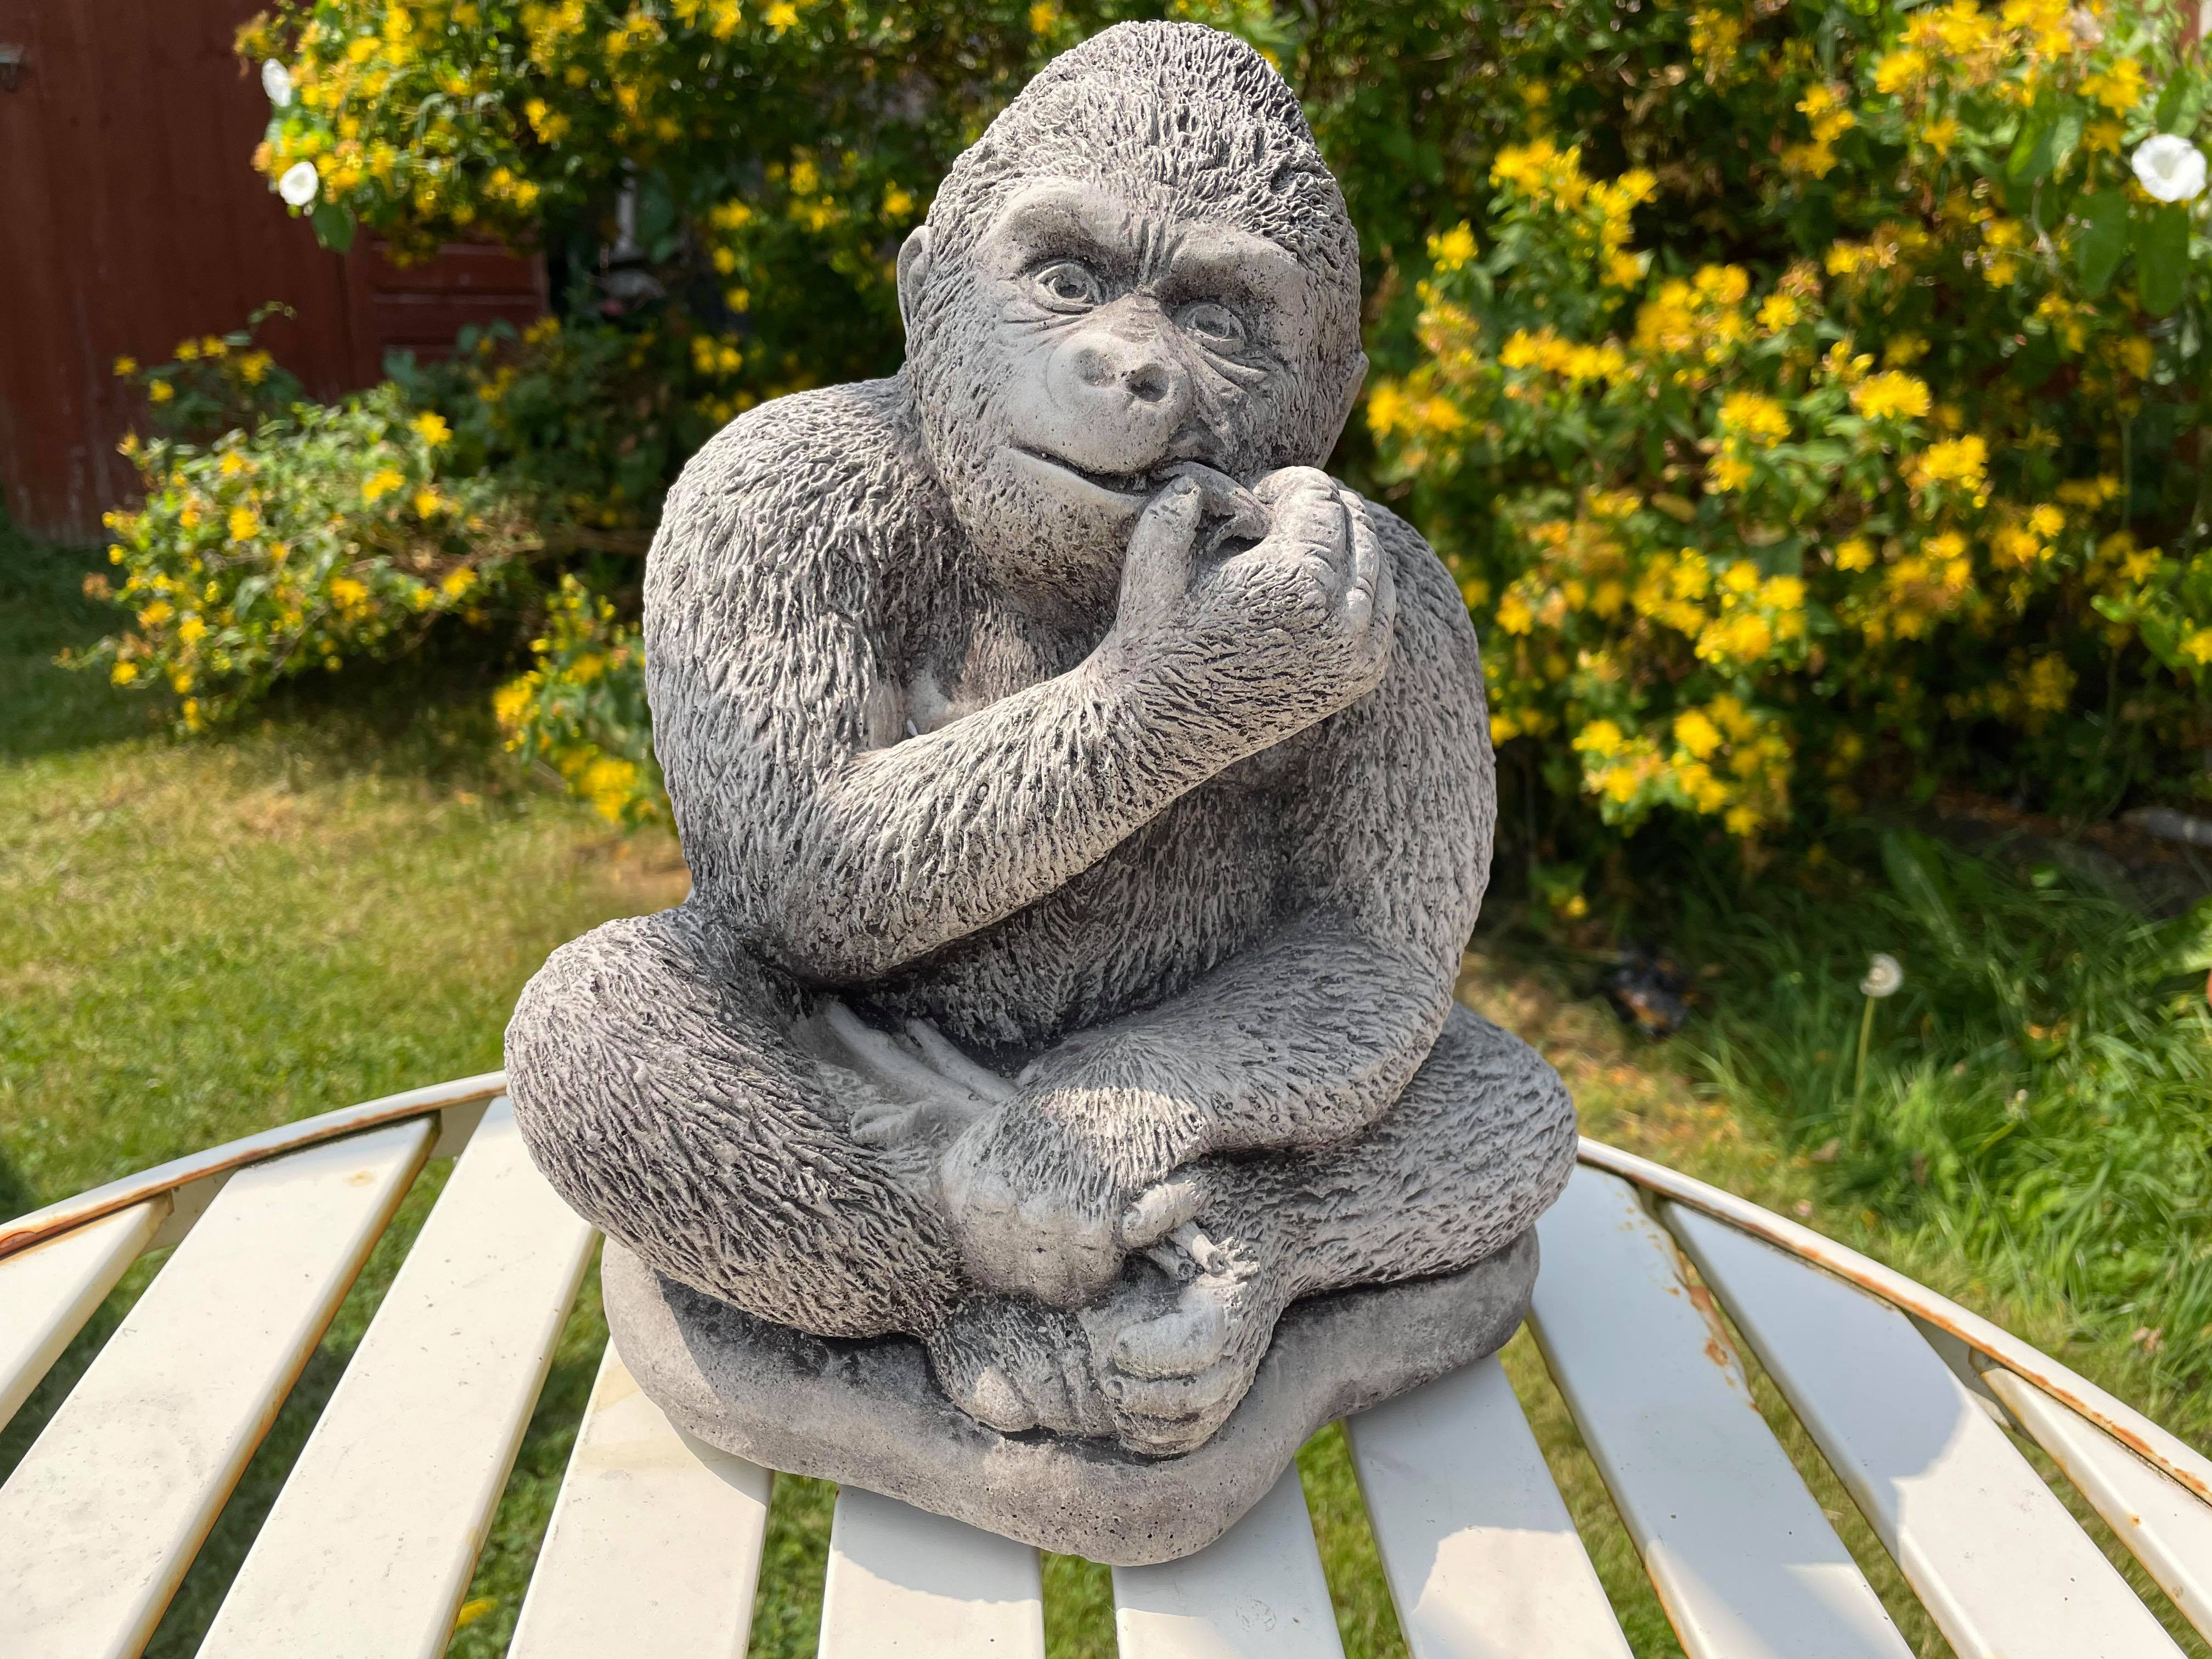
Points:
[(719, 1091)]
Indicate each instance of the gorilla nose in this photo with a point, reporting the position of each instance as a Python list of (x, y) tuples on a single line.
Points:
[(1141, 369)]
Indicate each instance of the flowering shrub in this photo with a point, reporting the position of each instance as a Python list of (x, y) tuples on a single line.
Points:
[(581, 711), (752, 167), (324, 532), (589, 420), (1781, 468), (214, 383)]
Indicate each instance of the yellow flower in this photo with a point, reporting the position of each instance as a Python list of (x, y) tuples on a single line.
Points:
[(1600, 737), (2197, 647), (608, 783), (125, 365), (2047, 520), (380, 484), (428, 503), (1044, 17), (1890, 396), (1962, 461), (160, 393), (1729, 472), (1454, 249), (244, 525), (1899, 70), (191, 629), (512, 701), (458, 583), (431, 428), (1696, 733), (1780, 311), (124, 673), (155, 614), (780, 16), (346, 592), (1752, 415), (1940, 134), (1514, 615), (2118, 89)]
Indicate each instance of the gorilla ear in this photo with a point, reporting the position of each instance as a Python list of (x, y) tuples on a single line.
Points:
[(1353, 382), (913, 272)]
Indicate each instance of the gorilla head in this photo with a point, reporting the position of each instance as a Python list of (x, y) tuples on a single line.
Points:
[(1143, 261)]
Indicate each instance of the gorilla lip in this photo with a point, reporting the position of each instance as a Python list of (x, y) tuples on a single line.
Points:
[(1127, 487)]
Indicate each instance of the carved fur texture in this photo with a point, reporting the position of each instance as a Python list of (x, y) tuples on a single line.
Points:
[(1087, 803)]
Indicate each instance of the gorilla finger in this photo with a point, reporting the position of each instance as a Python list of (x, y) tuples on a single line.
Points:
[(1225, 498), (1363, 586), (1176, 1344), (1175, 1398), (1159, 1212), (1284, 480), (882, 1126), (1315, 525), (1161, 555), (993, 1399)]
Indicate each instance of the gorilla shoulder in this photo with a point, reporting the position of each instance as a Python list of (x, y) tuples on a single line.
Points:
[(835, 461)]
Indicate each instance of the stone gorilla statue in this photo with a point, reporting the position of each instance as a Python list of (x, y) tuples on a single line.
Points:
[(1087, 803)]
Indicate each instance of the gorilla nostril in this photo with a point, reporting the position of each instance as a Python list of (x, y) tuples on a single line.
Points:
[(1148, 384)]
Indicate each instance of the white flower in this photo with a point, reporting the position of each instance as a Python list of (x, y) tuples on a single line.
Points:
[(2171, 168), (1883, 976), (276, 81), (299, 184)]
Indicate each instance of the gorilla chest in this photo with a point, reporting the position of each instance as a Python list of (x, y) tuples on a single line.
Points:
[(1180, 895)]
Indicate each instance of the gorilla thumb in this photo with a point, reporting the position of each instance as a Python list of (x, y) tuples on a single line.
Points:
[(1161, 558)]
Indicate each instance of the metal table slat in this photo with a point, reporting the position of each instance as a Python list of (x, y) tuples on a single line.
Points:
[(1482, 1558), (1745, 1562), (1255, 1593), (902, 1582), (99, 1522), (655, 1542), (1990, 1552), (2166, 1527), (370, 1545), (46, 1294)]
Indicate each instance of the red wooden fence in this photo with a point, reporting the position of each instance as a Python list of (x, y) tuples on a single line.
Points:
[(131, 218)]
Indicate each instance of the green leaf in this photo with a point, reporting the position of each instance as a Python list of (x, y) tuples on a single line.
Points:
[(2030, 152), (333, 223), (2169, 102), (2162, 260), (2103, 242)]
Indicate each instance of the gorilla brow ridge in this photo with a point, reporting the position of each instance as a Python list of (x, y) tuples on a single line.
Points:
[(1196, 114)]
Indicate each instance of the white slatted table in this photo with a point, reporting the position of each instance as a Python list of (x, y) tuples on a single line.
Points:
[(655, 1542)]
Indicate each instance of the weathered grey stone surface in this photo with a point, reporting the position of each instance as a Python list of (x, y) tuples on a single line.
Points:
[(869, 1412), (1087, 802)]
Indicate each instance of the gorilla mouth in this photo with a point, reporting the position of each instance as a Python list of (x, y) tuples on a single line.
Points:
[(1129, 486)]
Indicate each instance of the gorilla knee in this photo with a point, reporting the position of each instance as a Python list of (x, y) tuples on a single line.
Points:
[(659, 1093)]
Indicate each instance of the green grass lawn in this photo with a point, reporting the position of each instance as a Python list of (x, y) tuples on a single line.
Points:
[(201, 940)]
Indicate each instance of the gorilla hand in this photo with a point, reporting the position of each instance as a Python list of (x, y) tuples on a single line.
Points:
[(1173, 1361), (1047, 1194), (1276, 636), (1031, 1208)]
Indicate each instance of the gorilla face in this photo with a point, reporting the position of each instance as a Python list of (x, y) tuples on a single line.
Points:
[(1092, 337)]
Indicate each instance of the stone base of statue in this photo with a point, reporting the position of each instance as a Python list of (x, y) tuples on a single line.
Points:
[(870, 1414)]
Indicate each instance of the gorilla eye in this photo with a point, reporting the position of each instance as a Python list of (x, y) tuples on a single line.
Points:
[(1068, 284), (1213, 323)]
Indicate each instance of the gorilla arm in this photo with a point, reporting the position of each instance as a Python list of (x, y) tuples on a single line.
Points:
[(846, 851), (1299, 1042)]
